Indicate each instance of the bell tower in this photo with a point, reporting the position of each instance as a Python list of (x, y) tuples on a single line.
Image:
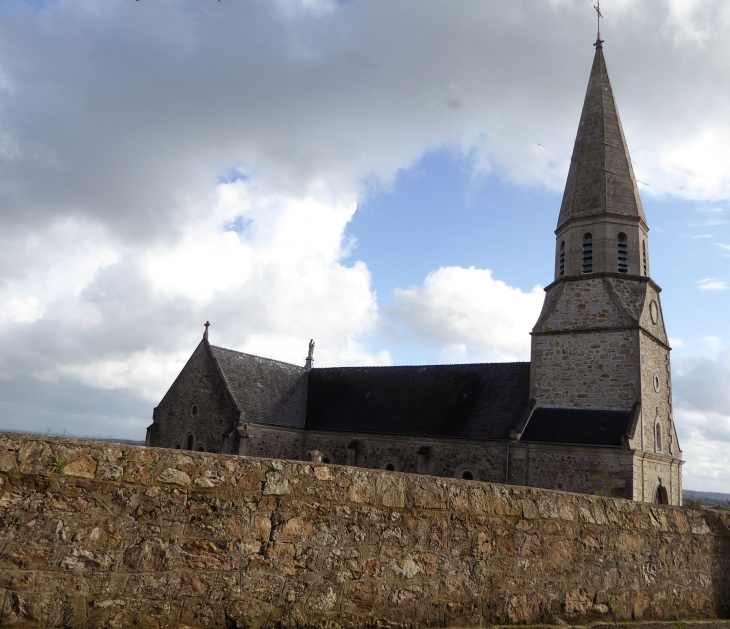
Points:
[(600, 373)]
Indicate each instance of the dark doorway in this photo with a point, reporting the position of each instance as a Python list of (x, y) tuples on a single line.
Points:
[(190, 442)]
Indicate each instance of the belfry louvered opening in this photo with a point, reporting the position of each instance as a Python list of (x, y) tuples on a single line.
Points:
[(588, 253), (562, 258), (623, 254), (643, 256)]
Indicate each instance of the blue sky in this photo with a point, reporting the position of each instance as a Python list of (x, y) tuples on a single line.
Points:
[(384, 177)]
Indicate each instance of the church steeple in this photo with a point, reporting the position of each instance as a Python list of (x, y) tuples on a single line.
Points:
[(601, 204), (601, 178), (600, 347)]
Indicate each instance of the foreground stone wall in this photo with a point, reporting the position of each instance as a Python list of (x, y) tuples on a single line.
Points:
[(100, 535)]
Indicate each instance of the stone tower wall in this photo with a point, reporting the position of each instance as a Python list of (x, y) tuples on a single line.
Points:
[(104, 535), (575, 370)]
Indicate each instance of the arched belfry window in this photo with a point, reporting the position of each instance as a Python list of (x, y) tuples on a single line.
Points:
[(562, 258), (623, 254), (643, 256), (588, 253)]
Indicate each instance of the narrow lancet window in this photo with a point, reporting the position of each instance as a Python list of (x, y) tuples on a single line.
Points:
[(643, 255), (562, 258), (588, 253), (658, 442), (623, 254)]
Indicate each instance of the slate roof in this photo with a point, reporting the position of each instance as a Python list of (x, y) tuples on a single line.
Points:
[(478, 401), (267, 391), (578, 426), (601, 178)]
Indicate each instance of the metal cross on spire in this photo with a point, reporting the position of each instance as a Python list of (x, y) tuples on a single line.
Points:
[(599, 15)]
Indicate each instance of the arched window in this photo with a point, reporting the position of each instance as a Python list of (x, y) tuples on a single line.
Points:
[(623, 254), (201, 449), (562, 258), (190, 442), (588, 253), (389, 466), (661, 497), (177, 446), (658, 438), (467, 475), (194, 410), (643, 256)]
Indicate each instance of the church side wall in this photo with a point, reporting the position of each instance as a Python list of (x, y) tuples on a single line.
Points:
[(198, 384), (96, 534), (580, 469), (274, 441), (596, 370), (486, 460)]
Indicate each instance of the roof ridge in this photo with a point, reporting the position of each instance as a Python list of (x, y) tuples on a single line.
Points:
[(512, 362), (271, 360)]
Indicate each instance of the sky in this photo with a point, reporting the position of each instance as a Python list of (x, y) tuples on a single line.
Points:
[(384, 177)]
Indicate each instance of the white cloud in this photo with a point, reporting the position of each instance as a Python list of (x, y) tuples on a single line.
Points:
[(707, 460), (701, 392), (711, 284), (711, 342), (119, 120), (468, 314), (266, 290), (675, 342)]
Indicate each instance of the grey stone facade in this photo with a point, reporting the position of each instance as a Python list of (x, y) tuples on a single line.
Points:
[(591, 412)]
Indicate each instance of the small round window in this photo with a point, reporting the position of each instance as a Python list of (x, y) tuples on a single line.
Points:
[(656, 383), (194, 410)]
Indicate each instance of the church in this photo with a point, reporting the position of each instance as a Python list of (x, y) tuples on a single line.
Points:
[(590, 413)]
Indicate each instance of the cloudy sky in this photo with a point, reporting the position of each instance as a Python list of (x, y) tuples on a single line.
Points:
[(382, 176)]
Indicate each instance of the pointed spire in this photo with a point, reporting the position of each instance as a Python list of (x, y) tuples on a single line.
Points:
[(601, 178)]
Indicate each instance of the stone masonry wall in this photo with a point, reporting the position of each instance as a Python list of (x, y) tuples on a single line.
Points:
[(104, 535), (597, 370), (582, 469), (198, 384), (486, 460)]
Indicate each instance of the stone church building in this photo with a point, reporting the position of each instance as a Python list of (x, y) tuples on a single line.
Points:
[(591, 412)]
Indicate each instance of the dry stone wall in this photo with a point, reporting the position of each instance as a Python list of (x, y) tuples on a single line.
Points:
[(100, 535)]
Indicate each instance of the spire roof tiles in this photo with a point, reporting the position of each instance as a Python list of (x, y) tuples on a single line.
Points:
[(601, 178)]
